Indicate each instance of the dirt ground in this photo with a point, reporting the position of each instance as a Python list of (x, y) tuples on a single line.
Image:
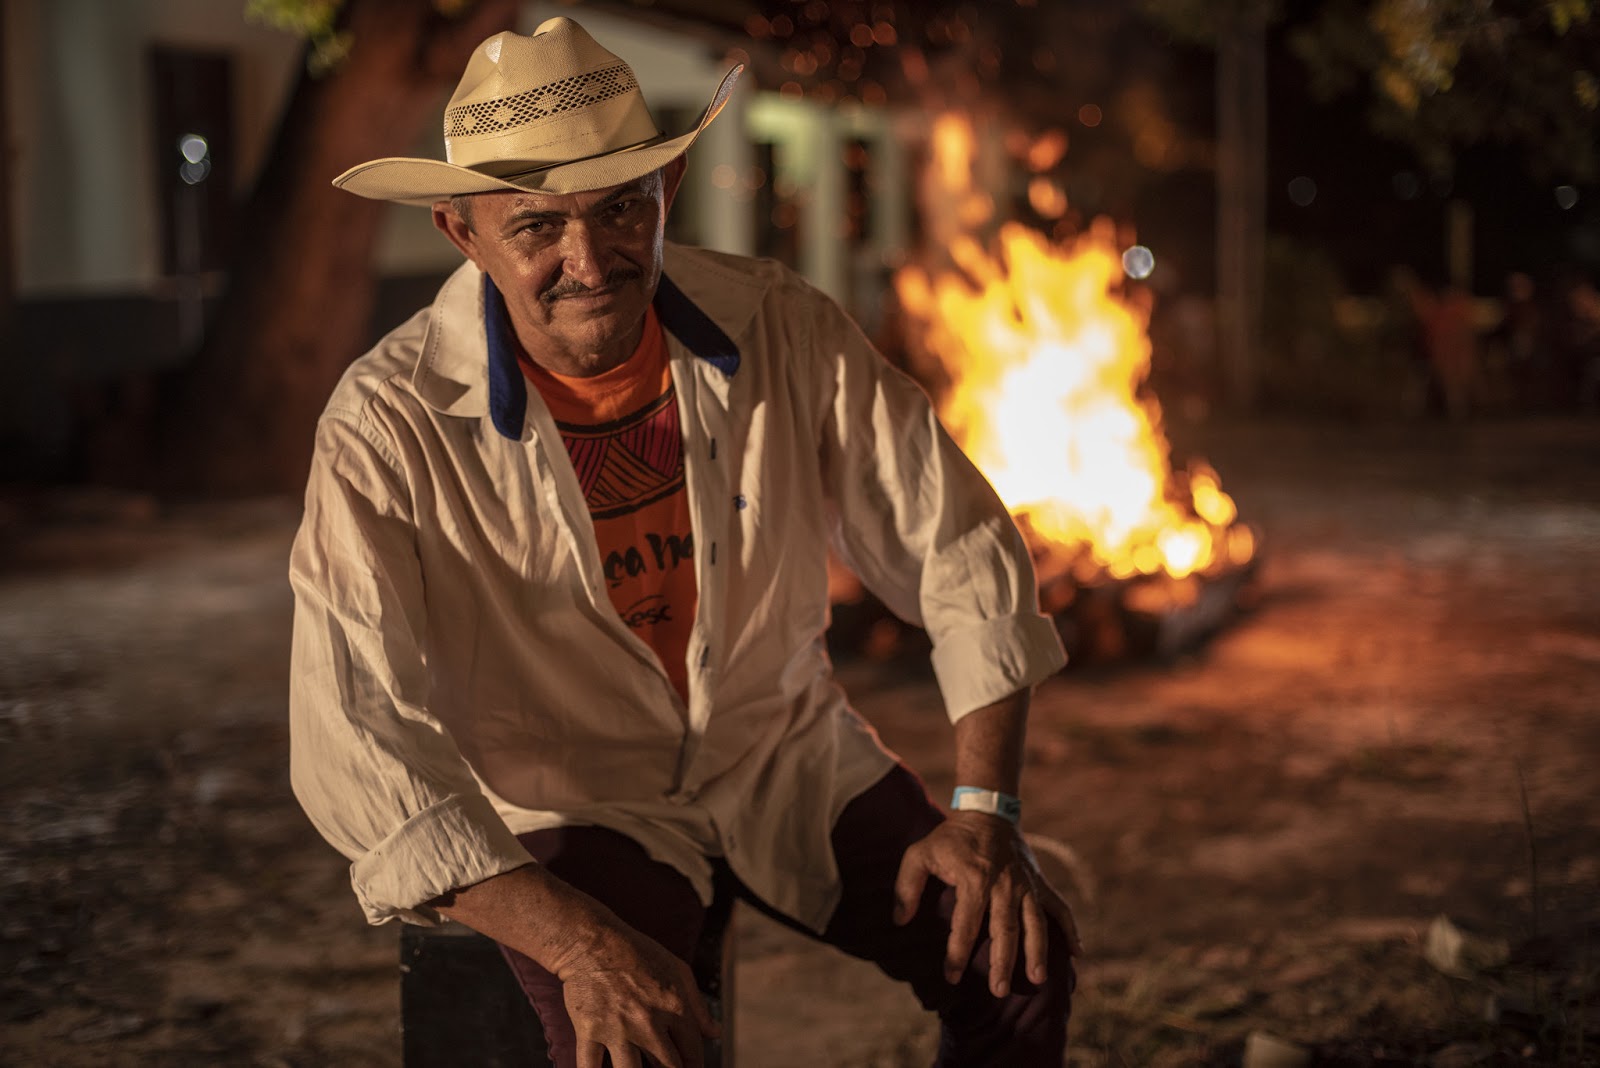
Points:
[(1404, 727)]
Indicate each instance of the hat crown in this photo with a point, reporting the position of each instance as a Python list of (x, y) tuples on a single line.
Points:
[(531, 101)]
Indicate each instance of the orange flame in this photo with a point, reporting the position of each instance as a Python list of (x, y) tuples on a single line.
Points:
[(1045, 362)]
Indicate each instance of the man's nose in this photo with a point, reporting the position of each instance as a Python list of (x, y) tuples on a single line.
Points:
[(585, 253)]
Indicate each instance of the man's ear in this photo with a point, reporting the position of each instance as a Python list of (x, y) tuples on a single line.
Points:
[(448, 221), (671, 179)]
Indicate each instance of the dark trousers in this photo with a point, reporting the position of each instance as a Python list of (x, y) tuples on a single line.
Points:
[(1026, 1028)]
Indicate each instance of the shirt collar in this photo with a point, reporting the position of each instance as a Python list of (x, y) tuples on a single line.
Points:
[(508, 389), (705, 300)]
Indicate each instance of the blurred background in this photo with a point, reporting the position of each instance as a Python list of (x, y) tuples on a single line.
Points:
[(1324, 190), (1276, 325)]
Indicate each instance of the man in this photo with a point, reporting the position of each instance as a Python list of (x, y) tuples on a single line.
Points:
[(561, 594)]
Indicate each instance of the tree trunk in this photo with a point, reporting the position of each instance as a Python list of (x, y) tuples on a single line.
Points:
[(301, 287), (1241, 205)]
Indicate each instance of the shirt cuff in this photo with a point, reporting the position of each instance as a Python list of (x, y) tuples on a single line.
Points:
[(455, 843), (979, 665)]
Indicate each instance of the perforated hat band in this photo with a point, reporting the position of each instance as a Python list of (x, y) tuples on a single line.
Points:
[(504, 113)]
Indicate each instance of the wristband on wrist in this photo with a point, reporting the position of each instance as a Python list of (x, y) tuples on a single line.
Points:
[(995, 803)]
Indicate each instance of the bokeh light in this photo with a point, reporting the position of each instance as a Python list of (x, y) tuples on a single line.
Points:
[(1047, 198), (1138, 261), (193, 147)]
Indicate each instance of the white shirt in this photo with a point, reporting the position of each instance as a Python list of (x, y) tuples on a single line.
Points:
[(460, 675)]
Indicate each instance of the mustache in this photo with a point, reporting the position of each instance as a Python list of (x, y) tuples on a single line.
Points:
[(571, 287)]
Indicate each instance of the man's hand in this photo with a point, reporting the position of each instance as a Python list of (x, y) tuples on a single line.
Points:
[(625, 993), (991, 868)]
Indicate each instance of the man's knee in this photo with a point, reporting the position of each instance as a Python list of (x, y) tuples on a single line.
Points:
[(1025, 1028)]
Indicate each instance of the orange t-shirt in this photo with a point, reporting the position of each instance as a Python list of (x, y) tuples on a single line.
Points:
[(621, 431)]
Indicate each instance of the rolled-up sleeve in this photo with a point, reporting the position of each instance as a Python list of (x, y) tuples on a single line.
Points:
[(378, 775), (921, 525)]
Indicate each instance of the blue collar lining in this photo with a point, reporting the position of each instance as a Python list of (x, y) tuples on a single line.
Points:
[(698, 332), (508, 390)]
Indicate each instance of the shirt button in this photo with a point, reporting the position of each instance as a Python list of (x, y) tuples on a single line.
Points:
[(739, 502)]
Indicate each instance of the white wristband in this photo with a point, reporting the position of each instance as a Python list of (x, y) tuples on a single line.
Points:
[(995, 803)]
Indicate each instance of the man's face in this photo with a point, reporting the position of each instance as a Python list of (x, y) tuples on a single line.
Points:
[(577, 270)]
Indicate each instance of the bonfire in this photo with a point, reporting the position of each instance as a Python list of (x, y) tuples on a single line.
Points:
[(1043, 358)]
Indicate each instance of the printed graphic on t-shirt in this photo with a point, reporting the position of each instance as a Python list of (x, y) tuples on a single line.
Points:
[(659, 552), (621, 430), (631, 473), (627, 464)]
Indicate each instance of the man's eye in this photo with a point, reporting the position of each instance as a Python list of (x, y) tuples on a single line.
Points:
[(622, 207)]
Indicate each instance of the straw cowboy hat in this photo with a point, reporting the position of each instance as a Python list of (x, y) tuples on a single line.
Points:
[(550, 113)]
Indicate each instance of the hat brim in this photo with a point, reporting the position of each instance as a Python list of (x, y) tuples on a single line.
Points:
[(422, 182)]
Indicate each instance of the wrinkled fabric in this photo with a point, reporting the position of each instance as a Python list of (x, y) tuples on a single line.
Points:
[(460, 676), (1025, 1029)]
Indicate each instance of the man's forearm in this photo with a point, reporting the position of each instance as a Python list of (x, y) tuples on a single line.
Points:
[(989, 744), (982, 855), (532, 911)]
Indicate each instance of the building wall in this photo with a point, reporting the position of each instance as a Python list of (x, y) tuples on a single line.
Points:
[(98, 314), (83, 159), (83, 186), (82, 170)]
